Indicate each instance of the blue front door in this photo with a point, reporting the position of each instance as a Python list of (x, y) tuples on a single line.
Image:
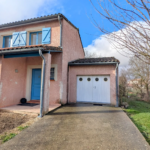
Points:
[(36, 84)]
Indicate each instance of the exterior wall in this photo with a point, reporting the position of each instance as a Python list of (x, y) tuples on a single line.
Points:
[(55, 31), (72, 49), (55, 88), (13, 84), (74, 71)]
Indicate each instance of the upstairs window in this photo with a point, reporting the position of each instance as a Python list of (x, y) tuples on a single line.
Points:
[(35, 38), (7, 41), (40, 37), (52, 73)]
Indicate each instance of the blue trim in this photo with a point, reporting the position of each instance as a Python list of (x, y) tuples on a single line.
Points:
[(15, 39), (46, 35), (4, 42), (37, 35), (10, 37), (21, 55), (23, 38)]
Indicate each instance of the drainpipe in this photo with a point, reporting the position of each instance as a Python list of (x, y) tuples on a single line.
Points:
[(42, 83), (117, 99), (59, 19), (68, 84)]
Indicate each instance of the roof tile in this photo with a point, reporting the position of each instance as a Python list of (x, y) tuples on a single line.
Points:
[(45, 47), (94, 60)]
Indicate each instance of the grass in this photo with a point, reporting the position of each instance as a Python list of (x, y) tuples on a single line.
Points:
[(139, 112), (5, 138), (20, 128)]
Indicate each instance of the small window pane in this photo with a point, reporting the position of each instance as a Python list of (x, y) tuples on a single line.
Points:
[(39, 38), (80, 79), (7, 41), (33, 39), (89, 79), (105, 79), (96, 79), (52, 73)]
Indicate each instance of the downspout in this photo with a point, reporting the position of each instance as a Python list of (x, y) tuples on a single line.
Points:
[(68, 84), (59, 19), (117, 99), (42, 83)]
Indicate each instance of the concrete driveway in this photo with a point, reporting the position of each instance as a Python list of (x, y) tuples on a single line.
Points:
[(80, 127)]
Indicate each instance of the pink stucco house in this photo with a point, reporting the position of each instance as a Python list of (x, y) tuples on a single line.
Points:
[(43, 59)]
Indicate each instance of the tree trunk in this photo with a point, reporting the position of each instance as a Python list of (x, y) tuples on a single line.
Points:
[(147, 93)]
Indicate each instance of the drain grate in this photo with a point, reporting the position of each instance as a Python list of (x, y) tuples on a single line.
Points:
[(98, 104)]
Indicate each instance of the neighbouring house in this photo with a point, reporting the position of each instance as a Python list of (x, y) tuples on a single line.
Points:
[(43, 59)]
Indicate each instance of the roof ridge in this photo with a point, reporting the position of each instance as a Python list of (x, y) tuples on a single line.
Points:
[(45, 16)]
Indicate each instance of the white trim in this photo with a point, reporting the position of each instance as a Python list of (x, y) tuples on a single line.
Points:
[(29, 80), (55, 73)]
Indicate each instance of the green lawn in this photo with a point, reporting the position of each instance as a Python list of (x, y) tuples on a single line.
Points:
[(139, 112)]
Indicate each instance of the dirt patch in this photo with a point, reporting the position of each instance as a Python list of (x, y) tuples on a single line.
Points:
[(10, 120)]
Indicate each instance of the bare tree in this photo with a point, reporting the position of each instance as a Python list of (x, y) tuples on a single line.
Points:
[(131, 25), (138, 87), (91, 54), (140, 70), (123, 78)]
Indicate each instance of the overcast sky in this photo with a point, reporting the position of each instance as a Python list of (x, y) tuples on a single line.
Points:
[(75, 11)]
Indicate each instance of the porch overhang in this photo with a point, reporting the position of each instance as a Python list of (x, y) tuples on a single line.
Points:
[(29, 50)]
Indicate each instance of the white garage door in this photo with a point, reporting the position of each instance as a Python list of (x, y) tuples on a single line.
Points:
[(93, 89)]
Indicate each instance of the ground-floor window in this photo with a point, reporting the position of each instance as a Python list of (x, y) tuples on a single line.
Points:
[(52, 73)]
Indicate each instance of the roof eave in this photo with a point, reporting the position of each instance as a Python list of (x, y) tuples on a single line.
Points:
[(37, 20), (17, 24), (85, 64), (29, 50)]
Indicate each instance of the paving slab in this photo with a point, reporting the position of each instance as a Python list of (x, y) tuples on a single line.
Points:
[(80, 127)]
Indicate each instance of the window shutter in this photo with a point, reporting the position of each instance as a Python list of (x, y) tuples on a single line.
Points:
[(15, 40), (23, 38), (3, 42), (46, 34)]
